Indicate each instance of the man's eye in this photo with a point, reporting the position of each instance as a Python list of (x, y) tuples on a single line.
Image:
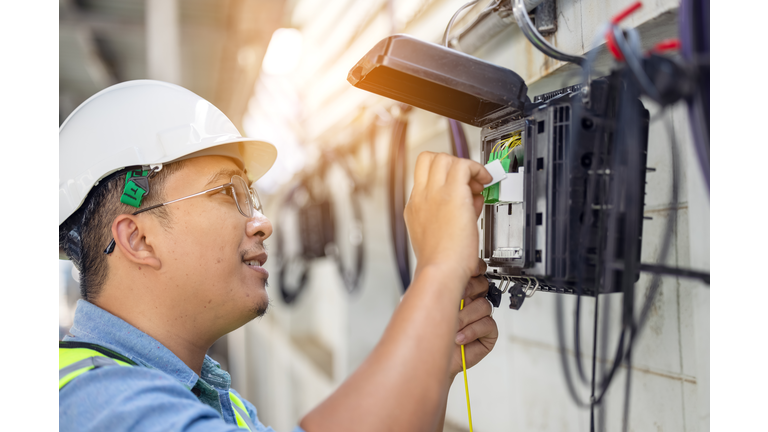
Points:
[(226, 191)]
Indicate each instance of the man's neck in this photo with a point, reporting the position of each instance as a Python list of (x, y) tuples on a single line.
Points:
[(167, 327)]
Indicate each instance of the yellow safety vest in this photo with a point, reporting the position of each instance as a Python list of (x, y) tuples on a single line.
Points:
[(76, 358)]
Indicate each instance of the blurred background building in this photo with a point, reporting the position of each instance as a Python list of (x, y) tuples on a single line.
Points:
[(278, 69)]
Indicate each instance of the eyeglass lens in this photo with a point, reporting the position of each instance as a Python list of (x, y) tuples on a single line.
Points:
[(246, 198)]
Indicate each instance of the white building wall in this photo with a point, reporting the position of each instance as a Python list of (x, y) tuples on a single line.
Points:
[(520, 385)]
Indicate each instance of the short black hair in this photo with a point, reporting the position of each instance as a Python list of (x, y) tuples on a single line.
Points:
[(87, 232)]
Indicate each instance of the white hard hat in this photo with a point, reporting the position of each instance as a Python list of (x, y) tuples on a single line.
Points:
[(146, 122)]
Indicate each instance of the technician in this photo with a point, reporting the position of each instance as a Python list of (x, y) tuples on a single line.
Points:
[(156, 213)]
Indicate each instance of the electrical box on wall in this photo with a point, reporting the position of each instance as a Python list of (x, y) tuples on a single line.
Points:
[(547, 235), (569, 200)]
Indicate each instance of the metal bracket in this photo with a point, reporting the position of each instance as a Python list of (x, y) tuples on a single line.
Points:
[(546, 17)]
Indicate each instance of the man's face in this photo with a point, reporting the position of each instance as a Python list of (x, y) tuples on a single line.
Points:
[(212, 255)]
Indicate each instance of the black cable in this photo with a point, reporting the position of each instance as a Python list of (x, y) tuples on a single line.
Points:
[(587, 211), (625, 189), (655, 282), (606, 313), (371, 138), (625, 416), (636, 327), (288, 294), (351, 278), (594, 362), (673, 271), (536, 39), (618, 358), (632, 187), (397, 166), (563, 354), (577, 338), (671, 221), (597, 279), (633, 216), (572, 143), (618, 196)]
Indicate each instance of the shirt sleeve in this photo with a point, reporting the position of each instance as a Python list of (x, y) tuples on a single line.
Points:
[(120, 399), (252, 412)]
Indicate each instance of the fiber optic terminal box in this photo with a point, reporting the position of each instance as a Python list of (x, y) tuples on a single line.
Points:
[(547, 235), (569, 201)]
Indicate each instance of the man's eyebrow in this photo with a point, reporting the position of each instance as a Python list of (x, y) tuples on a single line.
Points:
[(224, 173)]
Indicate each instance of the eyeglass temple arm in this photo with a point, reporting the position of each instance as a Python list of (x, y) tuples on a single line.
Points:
[(111, 247)]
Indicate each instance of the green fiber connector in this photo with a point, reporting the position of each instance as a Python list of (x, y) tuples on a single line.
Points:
[(491, 193)]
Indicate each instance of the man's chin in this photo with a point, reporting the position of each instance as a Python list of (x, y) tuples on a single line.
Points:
[(260, 309)]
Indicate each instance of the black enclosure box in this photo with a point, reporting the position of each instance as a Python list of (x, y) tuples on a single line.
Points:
[(440, 80)]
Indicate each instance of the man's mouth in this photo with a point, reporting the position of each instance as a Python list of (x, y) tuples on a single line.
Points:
[(256, 262)]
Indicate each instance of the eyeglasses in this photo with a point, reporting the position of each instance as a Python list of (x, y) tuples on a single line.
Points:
[(246, 199)]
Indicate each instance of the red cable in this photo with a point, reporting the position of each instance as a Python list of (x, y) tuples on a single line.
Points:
[(626, 12), (610, 41), (667, 45)]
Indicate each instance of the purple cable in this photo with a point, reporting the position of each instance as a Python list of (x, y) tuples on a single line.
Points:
[(458, 139)]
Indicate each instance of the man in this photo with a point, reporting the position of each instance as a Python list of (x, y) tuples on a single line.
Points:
[(156, 213)]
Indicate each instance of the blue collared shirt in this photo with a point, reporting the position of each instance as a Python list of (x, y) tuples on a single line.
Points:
[(157, 397)]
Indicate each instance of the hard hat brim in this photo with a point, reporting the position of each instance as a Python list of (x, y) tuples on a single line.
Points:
[(255, 156), (258, 157)]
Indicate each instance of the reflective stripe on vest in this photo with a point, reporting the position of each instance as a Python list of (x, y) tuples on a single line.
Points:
[(241, 414), (74, 362)]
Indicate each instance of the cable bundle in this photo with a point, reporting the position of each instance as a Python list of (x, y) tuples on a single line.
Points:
[(501, 151)]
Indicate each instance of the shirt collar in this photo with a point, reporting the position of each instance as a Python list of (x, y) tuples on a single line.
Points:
[(95, 325)]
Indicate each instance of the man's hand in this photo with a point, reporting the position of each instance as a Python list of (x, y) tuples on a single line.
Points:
[(477, 330), (442, 212)]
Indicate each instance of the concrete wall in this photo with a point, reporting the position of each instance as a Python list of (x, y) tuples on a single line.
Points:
[(292, 358)]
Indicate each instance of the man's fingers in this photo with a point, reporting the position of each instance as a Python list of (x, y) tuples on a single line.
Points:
[(481, 268), (473, 311), (477, 202), (465, 170), (438, 170), (482, 328), (476, 287), (421, 172), (476, 186), (478, 349)]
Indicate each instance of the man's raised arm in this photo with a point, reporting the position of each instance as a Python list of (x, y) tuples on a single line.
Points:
[(403, 384)]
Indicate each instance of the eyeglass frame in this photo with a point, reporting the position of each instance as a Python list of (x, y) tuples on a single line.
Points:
[(253, 197)]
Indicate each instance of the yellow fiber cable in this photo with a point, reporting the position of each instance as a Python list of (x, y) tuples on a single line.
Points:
[(496, 145), (466, 386), (515, 141)]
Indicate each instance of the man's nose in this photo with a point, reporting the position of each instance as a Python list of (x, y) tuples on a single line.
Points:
[(259, 226)]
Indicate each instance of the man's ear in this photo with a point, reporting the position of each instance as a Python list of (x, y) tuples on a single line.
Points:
[(131, 239)]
